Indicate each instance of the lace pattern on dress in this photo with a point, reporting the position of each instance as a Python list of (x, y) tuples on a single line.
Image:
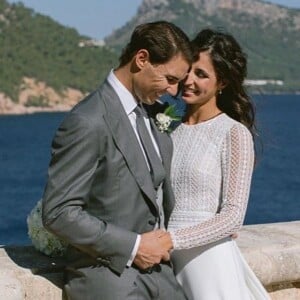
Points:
[(211, 175)]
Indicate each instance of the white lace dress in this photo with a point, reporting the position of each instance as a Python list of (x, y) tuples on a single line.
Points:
[(211, 174)]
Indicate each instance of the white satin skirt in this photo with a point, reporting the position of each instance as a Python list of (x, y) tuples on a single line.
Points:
[(217, 271)]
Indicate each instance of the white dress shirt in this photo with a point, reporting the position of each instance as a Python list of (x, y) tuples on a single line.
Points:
[(129, 103)]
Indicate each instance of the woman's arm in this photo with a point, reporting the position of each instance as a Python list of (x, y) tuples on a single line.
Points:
[(237, 167)]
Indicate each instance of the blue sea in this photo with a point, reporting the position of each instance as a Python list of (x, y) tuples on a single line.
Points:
[(275, 194)]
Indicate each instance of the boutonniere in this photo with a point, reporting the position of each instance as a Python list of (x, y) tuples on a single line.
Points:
[(164, 120)]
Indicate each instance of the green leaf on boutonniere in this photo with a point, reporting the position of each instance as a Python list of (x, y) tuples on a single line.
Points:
[(171, 112)]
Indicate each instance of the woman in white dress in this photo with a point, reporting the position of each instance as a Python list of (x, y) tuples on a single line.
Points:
[(211, 174)]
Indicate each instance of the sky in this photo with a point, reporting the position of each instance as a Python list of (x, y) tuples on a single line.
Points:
[(98, 18)]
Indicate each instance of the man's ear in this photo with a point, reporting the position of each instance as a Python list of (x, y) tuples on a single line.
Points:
[(142, 58)]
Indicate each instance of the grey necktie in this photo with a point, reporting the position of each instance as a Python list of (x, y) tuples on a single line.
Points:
[(156, 168)]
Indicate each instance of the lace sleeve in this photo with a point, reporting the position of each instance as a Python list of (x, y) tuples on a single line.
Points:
[(237, 165)]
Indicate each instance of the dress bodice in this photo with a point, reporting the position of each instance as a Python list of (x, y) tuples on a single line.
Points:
[(211, 173)]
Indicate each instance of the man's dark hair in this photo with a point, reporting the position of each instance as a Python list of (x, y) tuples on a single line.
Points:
[(163, 41)]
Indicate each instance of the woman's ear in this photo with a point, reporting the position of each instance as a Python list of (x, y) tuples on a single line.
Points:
[(142, 58), (222, 85)]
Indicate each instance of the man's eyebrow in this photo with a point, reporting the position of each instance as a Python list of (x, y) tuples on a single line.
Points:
[(172, 77)]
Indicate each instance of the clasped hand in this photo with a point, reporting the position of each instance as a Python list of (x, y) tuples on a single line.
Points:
[(154, 247)]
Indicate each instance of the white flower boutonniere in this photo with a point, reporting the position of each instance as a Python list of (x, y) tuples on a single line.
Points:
[(43, 240), (164, 120)]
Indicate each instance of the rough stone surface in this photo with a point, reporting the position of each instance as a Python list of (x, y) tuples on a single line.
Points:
[(28, 274), (272, 251), (11, 288)]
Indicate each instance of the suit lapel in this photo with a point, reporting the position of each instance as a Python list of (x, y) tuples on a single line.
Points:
[(126, 141), (164, 144), (166, 148), (163, 140)]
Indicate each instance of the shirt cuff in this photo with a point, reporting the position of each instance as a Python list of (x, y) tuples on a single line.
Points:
[(134, 251)]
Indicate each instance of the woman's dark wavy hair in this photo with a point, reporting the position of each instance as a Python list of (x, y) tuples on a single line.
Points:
[(230, 65)]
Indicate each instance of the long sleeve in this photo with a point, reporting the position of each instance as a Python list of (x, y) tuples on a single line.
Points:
[(236, 160)]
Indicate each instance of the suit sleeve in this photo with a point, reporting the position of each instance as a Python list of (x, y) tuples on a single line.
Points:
[(76, 153)]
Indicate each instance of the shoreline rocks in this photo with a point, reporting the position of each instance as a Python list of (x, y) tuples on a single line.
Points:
[(36, 96)]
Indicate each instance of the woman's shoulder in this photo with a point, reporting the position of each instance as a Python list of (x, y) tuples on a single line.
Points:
[(231, 129), (232, 124), (236, 131)]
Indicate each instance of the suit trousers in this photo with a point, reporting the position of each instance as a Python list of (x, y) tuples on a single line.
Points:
[(100, 283)]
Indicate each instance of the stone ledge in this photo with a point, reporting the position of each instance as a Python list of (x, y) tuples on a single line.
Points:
[(28, 274), (272, 251)]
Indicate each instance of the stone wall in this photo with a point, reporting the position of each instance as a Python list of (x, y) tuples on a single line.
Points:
[(272, 251)]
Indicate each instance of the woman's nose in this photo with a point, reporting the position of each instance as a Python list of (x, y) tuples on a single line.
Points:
[(189, 79)]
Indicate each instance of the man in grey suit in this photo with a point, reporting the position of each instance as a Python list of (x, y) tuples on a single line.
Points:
[(104, 195)]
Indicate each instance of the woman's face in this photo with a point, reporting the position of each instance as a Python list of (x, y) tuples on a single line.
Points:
[(201, 86)]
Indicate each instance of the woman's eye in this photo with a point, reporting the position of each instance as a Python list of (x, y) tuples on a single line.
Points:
[(200, 74)]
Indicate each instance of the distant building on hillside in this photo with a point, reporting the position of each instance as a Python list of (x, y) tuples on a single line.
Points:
[(91, 43), (254, 82)]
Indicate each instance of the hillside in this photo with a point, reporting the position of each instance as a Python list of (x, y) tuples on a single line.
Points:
[(269, 33), (42, 59), (43, 67)]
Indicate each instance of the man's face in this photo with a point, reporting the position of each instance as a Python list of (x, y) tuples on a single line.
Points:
[(155, 80)]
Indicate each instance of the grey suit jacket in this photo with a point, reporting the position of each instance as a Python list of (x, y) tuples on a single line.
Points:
[(99, 193)]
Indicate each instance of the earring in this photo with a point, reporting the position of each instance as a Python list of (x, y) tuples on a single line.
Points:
[(220, 92)]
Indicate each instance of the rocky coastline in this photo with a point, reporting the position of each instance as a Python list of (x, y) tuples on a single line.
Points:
[(36, 96)]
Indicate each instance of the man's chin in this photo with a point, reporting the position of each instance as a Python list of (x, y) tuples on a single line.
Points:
[(150, 101)]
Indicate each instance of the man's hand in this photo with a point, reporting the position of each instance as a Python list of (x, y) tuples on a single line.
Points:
[(154, 247)]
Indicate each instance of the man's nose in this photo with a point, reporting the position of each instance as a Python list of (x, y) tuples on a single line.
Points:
[(173, 89)]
